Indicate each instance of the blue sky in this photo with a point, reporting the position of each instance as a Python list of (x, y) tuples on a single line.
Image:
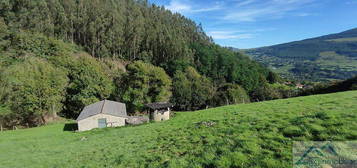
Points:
[(257, 23)]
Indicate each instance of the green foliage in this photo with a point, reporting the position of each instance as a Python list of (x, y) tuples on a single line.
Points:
[(274, 91), (34, 89), (129, 30), (245, 135), (25, 43), (354, 87), (191, 91), (230, 94), (143, 83), (335, 86), (4, 33), (117, 33), (89, 79), (224, 65), (5, 115), (88, 83), (265, 92), (284, 90), (132, 30), (273, 78)]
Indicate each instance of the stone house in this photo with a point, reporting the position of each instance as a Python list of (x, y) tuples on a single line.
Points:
[(159, 111), (102, 114)]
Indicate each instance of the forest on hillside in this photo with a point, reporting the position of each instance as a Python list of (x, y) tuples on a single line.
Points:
[(57, 56)]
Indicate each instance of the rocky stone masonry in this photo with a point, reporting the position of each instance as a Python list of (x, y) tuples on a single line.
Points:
[(136, 120)]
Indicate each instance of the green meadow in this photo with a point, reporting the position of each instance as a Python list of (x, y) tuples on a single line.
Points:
[(246, 135)]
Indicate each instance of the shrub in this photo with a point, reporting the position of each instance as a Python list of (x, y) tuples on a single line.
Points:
[(191, 91), (35, 89), (265, 92), (88, 83), (143, 83), (230, 94), (5, 116)]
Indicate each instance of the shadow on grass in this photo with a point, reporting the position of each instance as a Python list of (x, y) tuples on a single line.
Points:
[(70, 127)]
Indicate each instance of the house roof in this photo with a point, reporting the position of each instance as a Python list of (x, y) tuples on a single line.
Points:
[(159, 105), (103, 107)]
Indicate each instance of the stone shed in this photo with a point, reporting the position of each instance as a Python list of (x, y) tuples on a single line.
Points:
[(102, 114), (159, 111)]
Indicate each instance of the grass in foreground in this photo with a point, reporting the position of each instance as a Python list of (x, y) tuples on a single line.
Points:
[(250, 135)]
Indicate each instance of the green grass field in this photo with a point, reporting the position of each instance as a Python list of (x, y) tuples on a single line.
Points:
[(249, 135)]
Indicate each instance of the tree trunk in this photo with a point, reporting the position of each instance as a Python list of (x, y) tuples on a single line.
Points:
[(1, 127), (43, 119)]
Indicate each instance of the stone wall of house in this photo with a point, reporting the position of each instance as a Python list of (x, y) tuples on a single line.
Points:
[(158, 115), (136, 120), (92, 122)]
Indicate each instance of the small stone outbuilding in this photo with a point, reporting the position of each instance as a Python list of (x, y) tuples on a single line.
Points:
[(159, 111), (102, 114)]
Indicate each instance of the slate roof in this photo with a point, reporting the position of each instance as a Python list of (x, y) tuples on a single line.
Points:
[(159, 105), (104, 107)]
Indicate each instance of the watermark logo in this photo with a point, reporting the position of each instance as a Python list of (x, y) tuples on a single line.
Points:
[(325, 154)]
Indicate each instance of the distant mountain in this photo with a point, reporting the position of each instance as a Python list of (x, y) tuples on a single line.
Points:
[(323, 58)]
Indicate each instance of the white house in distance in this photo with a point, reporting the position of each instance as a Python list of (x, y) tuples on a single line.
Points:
[(102, 114)]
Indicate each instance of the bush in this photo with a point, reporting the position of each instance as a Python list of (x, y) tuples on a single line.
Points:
[(354, 87), (230, 94), (88, 84), (35, 90), (4, 33), (265, 92), (5, 116), (191, 91), (143, 83)]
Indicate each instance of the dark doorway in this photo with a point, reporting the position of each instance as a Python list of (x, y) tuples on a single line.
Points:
[(70, 127)]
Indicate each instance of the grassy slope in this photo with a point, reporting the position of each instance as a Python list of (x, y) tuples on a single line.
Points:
[(250, 135)]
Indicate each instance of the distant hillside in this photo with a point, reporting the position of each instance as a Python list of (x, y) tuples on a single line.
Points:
[(317, 59)]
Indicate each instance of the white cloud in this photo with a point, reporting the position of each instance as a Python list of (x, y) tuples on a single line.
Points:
[(176, 6), (185, 7), (218, 35), (270, 9), (352, 2), (303, 14), (244, 2)]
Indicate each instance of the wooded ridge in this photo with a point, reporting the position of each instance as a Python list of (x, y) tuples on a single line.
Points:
[(58, 56)]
